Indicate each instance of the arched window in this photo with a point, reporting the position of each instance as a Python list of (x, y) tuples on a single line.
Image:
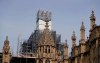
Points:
[(47, 61), (40, 61), (40, 49), (46, 50), (49, 49)]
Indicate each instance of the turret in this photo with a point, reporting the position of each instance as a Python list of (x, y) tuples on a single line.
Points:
[(73, 39), (6, 51), (65, 52), (82, 41), (82, 33), (46, 46), (92, 20)]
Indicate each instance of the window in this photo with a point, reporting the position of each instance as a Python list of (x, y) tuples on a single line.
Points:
[(40, 49), (46, 50), (47, 61), (49, 49), (40, 61), (99, 50)]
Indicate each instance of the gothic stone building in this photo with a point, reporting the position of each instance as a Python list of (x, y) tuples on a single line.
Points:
[(88, 51)]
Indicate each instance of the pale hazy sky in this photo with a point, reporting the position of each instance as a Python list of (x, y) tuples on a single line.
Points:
[(19, 17)]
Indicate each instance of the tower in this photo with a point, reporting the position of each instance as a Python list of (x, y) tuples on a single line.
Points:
[(73, 39), (82, 41), (46, 46), (92, 20), (82, 33), (41, 15), (74, 48), (6, 51), (65, 52)]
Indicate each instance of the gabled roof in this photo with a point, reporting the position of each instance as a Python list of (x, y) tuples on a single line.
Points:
[(46, 38)]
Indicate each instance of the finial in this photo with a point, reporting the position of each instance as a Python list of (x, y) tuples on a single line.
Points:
[(82, 20), (6, 41), (92, 15), (7, 38), (92, 5), (92, 12), (66, 43), (73, 36), (82, 26), (73, 33), (82, 23), (66, 40)]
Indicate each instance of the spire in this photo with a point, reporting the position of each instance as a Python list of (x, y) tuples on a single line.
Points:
[(92, 19), (92, 5), (73, 36), (82, 33), (65, 44), (92, 15), (82, 26), (65, 52), (7, 38), (6, 41), (73, 39)]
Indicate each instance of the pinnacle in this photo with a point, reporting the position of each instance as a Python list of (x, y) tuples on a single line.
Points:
[(82, 26), (92, 15), (7, 38), (73, 36)]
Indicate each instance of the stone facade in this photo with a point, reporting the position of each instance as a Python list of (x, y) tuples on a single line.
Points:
[(88, 50), (46, 50)]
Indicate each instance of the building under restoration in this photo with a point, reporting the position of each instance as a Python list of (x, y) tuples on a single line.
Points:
[(45, 46), (30, 45)]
